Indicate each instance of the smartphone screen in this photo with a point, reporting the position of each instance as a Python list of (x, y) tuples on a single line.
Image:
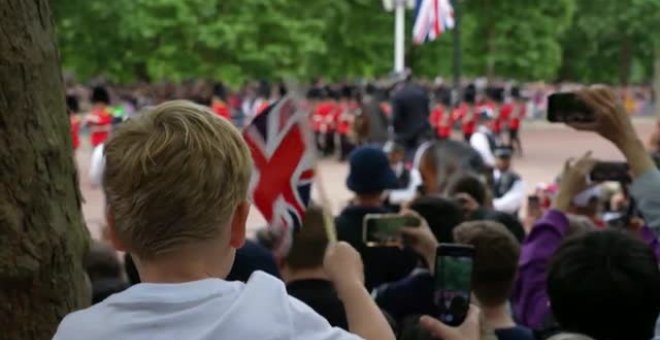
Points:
[(611, 171), (453, 282), (566, 107), (383, 229)]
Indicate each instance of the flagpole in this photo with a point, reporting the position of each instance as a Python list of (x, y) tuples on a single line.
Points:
[(326, 205), (457, 49), (319, 185), (399, 35)]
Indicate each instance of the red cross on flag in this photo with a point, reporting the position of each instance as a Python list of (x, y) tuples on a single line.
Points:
[(283, 167)]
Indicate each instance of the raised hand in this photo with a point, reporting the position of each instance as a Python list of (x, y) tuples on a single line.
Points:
[(574, 180), (343, 265), (612, 122), (421, 240)]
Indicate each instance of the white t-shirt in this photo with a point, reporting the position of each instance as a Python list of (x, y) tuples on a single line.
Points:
[(206, 309)]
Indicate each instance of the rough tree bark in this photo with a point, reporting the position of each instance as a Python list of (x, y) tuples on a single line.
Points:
[(42, 234), (656, 78)]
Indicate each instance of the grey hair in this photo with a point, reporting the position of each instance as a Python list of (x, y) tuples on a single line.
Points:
[(450, 158)]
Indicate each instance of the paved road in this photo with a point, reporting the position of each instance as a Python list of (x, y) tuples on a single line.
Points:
[(546, 148)]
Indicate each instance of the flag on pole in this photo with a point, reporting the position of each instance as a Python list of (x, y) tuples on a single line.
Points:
[(432, 18), (283, 167)]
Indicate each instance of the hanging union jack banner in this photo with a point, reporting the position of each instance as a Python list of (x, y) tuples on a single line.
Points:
[(283, 167), (432, 18)]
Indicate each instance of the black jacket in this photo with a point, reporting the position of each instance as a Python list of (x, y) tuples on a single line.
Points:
[(410, 114), (322, 297)]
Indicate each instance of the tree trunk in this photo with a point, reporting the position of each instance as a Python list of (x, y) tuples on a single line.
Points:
[(625, 60), (656, 78), (42, 234), (142, 72)]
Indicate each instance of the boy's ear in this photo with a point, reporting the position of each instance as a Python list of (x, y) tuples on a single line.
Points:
[(237, 237), (112, 234)]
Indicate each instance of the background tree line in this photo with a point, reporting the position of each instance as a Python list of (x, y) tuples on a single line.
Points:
[(576, 40)]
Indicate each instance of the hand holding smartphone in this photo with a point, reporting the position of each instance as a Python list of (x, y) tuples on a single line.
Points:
[(566, 107), (453, 282), (611, 171), (383, 230)]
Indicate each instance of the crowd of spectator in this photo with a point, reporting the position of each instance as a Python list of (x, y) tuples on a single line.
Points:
[(176, 180)]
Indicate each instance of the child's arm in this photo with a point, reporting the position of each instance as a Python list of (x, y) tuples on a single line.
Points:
[(344, 267)]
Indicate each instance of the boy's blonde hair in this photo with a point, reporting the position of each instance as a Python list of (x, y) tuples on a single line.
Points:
[(174, 175)]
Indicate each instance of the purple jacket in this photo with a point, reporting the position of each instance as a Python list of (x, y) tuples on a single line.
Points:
[(530, 299)]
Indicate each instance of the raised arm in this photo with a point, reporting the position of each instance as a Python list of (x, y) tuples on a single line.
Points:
[(344, 267), (613, 123), (530, 297)]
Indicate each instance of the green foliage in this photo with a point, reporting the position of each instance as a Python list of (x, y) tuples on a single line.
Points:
[(517, 38), (177, 39), (609, 40), (235, 40)]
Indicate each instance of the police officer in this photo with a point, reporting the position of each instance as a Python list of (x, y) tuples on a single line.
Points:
[(484, 140), (508, 186)]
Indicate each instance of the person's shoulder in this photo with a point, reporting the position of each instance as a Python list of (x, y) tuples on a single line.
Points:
[(514, 175), (262, 287), (260, 279), (83, 324), (305, 323), (477, 135)]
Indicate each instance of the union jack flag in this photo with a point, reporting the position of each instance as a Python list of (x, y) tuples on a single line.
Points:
[(432, 18), (283, 167)]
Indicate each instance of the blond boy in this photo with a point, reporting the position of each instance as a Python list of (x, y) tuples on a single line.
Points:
[(176, 181)]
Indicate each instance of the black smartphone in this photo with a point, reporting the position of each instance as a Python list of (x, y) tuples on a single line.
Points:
[(611, 171), (383, 229), (453, 282), (566, 107), (533, 202)]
